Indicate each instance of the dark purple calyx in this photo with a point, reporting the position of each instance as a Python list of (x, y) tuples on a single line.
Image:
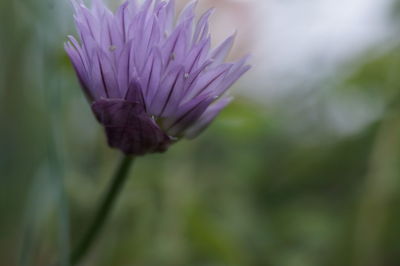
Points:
[(129, 128)]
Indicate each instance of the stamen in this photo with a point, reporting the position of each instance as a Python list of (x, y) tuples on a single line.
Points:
[(112, 48)]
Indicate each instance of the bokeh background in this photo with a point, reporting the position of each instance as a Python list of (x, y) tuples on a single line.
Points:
[(303, 168)]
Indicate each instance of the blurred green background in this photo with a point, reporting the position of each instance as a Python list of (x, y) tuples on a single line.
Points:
[(266, 184)]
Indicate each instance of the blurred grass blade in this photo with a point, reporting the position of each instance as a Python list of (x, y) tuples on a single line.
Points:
[(38, 206), (379, 190), (61, 199)]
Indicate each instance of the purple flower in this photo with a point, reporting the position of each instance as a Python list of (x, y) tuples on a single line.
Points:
[(151, 79)]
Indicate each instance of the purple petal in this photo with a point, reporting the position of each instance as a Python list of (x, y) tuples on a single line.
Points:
[(133, 8), (201, 30), (125, 68), (194, 76), (207, 117), (122, 19), (79, 50), (152, 74), (146, 6), (91, 22), (88, 42), (150, 37), (197, 55), (103, 76), (186, 115), (166, 16), (99, 9), (207, 81), (112, 40), (169, 46), (188, 11), (237, 70), (170, 92), (220, 53), (80, 70)]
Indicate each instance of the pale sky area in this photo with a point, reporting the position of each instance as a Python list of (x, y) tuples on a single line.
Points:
[(296, 41)]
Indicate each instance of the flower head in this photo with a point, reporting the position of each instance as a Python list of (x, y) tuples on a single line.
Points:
[(151, 79)]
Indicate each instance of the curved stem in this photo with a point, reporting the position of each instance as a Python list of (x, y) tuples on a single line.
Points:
[(103, 210)]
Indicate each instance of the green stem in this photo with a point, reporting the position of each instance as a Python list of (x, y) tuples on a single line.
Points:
[(103, 210)]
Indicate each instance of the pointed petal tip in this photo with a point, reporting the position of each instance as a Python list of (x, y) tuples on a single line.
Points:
[(207, 117), (234, 34), (66, 48), (210, 11)]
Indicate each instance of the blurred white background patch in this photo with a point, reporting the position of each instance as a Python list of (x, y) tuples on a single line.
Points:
[(298, 41)]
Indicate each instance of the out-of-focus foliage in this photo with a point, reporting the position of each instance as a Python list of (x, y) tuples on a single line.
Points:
[(310, 180)]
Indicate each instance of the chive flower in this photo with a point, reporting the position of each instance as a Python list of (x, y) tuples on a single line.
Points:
[(151, 78)]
